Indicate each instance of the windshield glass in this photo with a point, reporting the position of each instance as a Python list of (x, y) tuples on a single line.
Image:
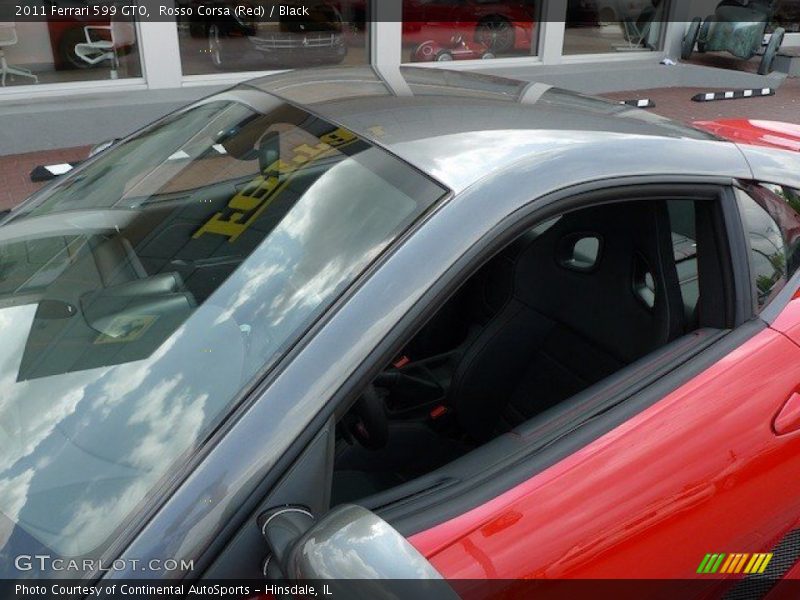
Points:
[(140, 295)]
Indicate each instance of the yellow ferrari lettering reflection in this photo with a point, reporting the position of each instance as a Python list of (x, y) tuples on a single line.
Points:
[(248, 203)]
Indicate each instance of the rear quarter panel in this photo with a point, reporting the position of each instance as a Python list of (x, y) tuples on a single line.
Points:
[(773, 166)]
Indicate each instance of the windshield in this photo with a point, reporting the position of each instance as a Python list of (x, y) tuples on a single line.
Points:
[(140, 295)]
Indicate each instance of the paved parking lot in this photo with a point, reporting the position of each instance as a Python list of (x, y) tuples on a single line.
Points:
[(15, 182), (676, 103)]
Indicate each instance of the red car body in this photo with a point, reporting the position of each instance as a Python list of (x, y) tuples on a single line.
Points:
[(650, 488), (772, 134), (440, 21), (64, 34), (708, 464), (649, 494), (458, 49)]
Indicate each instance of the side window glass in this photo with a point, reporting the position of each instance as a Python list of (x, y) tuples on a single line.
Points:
[(684, 246), (772, 223)]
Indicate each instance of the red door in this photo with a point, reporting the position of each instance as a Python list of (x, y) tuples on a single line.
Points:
[(700, 471)]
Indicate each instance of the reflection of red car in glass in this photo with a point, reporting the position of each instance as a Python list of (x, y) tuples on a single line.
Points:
[(500, 26), (787, 14), (64, 36), (458, 49), (67, 31)]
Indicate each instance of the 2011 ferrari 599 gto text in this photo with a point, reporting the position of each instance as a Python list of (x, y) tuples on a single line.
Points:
[(438, 323)]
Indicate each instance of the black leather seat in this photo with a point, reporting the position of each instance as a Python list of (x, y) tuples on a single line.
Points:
[(567, 326), (553, 331)]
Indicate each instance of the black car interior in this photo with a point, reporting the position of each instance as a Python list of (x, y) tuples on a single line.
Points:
[(557, 322)]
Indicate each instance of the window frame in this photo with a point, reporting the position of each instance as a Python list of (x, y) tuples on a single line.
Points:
[(773, 308), (642, 392), (664, 22), (403, 326), (185, 464)]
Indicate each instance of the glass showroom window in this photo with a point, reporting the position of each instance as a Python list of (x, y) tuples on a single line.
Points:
[(786, 15), (334, 32), (446, 30), (75, 49), (603, 26)]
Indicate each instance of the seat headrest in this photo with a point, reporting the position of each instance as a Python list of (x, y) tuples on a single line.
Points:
[(625, 296)]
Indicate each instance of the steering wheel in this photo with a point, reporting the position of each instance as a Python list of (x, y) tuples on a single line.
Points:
[(369, 424)]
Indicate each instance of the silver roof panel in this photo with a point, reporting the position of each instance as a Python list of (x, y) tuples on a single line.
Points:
[(460, 127)]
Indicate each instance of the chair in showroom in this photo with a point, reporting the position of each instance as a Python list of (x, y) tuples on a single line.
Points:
[(8, 37), (95, 50), (638, 32)]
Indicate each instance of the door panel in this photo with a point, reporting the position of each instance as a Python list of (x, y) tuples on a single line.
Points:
[(701, 471), (788, 321)]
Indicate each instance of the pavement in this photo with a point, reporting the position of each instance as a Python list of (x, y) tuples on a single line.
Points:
[(676, 103), (15, 181)]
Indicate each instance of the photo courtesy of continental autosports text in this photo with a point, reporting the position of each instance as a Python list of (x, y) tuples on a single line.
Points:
[(137, 590)]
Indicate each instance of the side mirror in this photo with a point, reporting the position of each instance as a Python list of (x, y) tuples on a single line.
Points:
[(349, 543)]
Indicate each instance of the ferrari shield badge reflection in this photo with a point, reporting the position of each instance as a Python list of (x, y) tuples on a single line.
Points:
[(126, 328)]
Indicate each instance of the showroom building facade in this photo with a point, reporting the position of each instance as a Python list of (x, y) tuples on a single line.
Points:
[(96, 54)]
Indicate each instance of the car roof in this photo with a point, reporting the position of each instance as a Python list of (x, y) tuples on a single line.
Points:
[(462, 126)]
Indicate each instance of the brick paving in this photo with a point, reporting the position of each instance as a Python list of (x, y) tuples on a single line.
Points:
[(15, 182), (676, 103)]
